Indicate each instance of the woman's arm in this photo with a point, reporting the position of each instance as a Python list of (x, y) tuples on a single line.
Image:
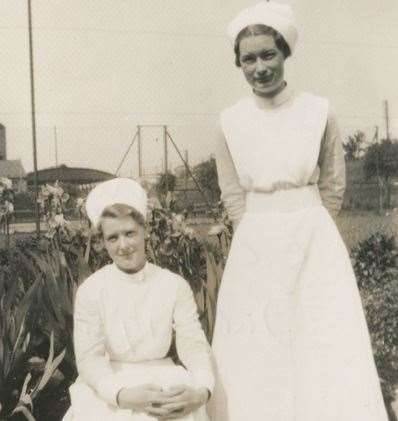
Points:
[(232, 194), (331, 163), (192, 346), (89, 341)]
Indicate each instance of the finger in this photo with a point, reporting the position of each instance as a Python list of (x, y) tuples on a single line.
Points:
[(178, 406), (174, 416), (156, 411), (173, 399), (158, 400), (178, 388)]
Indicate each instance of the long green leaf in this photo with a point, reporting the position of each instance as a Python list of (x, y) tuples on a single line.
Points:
[(25, 411), (25, 386), (50, 370)]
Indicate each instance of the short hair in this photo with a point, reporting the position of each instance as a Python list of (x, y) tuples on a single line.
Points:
[(121, 210), (260, 29)]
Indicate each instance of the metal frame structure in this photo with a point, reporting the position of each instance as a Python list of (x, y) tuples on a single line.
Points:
[(167, 138)]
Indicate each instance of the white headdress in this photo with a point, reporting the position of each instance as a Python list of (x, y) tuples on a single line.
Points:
[(276, 15), (118, 190)]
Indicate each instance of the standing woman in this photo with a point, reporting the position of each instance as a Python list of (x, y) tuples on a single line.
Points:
[(291, 342)]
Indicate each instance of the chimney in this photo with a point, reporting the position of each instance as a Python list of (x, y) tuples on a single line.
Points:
[(3, 144)]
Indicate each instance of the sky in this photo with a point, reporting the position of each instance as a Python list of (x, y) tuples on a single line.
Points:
[(102, 67)]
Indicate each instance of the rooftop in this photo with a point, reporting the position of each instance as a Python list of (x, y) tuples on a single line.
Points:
[(74, 175)]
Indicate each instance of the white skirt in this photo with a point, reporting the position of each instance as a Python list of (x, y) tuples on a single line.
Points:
[(291, 342), (87, 406)]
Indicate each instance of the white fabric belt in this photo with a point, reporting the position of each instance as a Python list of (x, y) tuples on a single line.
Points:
[(283, 200), (118, 365)]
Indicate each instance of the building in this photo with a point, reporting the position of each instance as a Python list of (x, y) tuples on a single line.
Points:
[(12, 169), (3, 145), (83, 178)]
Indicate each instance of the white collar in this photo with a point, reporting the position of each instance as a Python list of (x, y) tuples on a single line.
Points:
[(137, 277)]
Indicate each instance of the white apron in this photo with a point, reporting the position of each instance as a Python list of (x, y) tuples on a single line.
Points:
[(291, 341), (87, 406)]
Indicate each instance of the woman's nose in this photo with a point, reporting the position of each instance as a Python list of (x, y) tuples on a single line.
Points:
[(261, 66), (123, 243)]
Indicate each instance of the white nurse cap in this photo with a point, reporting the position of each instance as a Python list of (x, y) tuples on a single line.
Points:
[(275, 15), (118, 190)]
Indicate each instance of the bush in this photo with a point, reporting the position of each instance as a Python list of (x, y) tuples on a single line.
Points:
[(374, 262)]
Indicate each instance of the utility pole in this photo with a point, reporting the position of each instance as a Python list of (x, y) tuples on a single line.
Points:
[(56, 146), (32, 97), (387, 120), (139, 152), (166, 164), (378, 178), (186, 172)]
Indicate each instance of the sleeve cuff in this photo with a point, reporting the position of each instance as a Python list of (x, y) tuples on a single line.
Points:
[(108, 390), (205, 380)]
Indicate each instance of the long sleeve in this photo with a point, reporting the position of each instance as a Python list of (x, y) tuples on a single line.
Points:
[(192, 346), (332, 168), (89, 340), (232, 194)]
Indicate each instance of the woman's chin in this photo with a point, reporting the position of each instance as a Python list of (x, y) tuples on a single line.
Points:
[(267, 90)]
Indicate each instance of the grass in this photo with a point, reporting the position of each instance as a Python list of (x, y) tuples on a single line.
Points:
[(356, 226)]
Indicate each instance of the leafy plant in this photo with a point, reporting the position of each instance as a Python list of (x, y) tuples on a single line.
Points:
[(375, 265), (7, 196), (15, 302), (28, 394)]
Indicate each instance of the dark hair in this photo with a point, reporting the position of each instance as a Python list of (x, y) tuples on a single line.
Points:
[(260, 29), (121, 210)]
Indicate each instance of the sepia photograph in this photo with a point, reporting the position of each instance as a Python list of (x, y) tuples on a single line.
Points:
[(198, 210)]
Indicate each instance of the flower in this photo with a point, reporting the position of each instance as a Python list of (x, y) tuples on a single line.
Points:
[(217, 229), (189, 232), (80, 202), (55, 190), (59, 219), (6, 182), (9, 206), (153, 203)]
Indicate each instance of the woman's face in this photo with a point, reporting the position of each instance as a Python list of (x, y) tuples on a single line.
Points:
[(262, 64), (124, 240)]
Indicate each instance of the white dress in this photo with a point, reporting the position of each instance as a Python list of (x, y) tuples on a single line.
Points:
[(123, 328), (291, 341)]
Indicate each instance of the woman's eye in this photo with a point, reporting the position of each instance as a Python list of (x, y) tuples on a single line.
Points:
[(130, 234), (248, 59), (268, 56)]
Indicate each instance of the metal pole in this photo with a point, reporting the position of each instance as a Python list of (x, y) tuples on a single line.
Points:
[(379, 186), (166, 164), (186, 172), (387, 120), (126, 153), (32, 97), (139, 152), (56, 146), (191, 175)]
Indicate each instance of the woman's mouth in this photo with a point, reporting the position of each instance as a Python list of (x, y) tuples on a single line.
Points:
[(125, 256), (264, 80)]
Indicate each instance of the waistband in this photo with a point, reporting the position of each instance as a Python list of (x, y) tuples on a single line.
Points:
[(115, 364), (289, 200)]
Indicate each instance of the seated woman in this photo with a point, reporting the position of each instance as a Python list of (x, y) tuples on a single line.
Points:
[(125, 314)]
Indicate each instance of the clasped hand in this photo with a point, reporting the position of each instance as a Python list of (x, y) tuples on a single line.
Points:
[(173, 403)]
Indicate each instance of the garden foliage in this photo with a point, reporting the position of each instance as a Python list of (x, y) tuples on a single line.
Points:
[(375, 265)]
